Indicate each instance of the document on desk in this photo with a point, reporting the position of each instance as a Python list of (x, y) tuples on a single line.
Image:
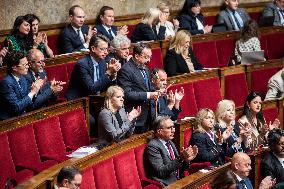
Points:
[(82, 152)]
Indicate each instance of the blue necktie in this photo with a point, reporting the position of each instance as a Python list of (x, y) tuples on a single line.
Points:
[(237, 21), (145, 77), (110, 34)]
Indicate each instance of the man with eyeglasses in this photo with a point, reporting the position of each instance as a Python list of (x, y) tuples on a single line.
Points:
[(276, 9), (134, 78), (164, 163), (272, 163), (16, 95), (68, 177), (50, 89)]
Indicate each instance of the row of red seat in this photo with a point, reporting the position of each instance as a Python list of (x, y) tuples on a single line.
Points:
[(33, 147)]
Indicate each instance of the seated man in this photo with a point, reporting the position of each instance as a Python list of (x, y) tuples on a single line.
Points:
[(36, 71), (275, 86), (120, 49), (164, 164), (92, 74), (275, 9), (76, 35), (272, 163), (104, 24), (167, 103), (68, 177), (233, 17), (16, 95)]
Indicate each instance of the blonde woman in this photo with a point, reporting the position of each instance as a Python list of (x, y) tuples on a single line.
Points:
[(180, 58), (147, 30), (171, 27), (114, 124), (236, 139), (208, 142)]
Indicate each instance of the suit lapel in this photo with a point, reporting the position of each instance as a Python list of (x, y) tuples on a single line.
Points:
[(138, 75), (164, 149), (74, 34), (91, 66)]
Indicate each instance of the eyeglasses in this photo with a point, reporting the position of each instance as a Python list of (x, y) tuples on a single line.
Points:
[(103, 49), (23, 65), (281, 143), (148, 57)]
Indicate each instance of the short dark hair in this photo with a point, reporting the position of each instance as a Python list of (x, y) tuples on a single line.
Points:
[(13, 59), (31, 17), (102, 12), (158, 122), (224, 180), (139, 47), (188, 4), (72, 9), (67, 172), (17, 23), (274, 137), (95, 39)]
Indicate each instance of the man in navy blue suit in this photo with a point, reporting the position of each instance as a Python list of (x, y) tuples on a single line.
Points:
[(104, 25), (16, 95), (76, 36)]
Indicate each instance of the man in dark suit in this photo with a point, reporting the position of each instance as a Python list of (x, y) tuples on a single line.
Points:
[(104, 25), (233, 17), (164, 164), (16, 95), (92, 74), (275, 9), (68, 177), (272, 163), (76, 35), (134, 78), (36, 71), (167, 103)]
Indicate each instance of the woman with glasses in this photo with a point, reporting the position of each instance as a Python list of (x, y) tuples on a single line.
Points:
[(191, 19), (253, 117), (208, 142), (114, 124), (171, 27), (39, 38), (180, 58)]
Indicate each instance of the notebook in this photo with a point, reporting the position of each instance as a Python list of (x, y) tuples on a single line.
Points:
[(249, 57)]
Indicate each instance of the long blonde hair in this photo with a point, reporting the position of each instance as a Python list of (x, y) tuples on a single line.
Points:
[(109, 94), (198, 127), (150, 16), (178, 40), (222, 108)]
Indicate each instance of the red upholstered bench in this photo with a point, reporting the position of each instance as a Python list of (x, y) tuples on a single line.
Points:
[(275, 45), (206, 53), (53, 43)]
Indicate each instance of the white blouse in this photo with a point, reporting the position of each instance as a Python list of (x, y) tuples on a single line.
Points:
[(253, 44)]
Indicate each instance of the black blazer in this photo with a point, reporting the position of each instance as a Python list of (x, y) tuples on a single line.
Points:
[(69, 40), (188, 22), (103, 31), (144, 32), (207, 150), (176, 65), (270, 166)]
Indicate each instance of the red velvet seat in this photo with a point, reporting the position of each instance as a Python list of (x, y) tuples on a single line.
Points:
[(255, 16), (7, 167), (188, 103), (206, 54), (88, 181), (236, 88), (205, 186), (225, 49), (187, 136), (210, 20), (74, 129), (49, 139), (157, 59), (263, 44), (270, 114), (24, 150), (207, 93), (275, 45), (131, 28), (53, 43)]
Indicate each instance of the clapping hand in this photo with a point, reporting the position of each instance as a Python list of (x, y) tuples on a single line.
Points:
[(227, 133), (274, 125), (123, 30), (113, 66), (91, 33), (134, 113), (189, 153), (179, 94), (56, 86)]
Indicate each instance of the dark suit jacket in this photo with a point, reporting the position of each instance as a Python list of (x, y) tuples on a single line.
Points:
[(271, 10), (131, 80), (158, 163), (144, 32), (247, 183), (45, 93), (82, 79), (207, 150), (103, 31), (188, 22), (14, 101), (162, 108), (176, 65), (225, 18), (270, 166), (69, 40)]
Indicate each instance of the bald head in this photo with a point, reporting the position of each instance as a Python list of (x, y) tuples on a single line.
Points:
[(241, 164)]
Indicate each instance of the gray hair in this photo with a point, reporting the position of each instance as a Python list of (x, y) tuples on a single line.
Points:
[(159, 121), (119, 40)]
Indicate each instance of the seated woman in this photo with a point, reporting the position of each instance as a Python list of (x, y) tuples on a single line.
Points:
[(147, 30), (253, 117), (191, 19), (234, 137), (39, 38), (171, 28), (248, 40), (208, 142), (114, 124), (180, 58)]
